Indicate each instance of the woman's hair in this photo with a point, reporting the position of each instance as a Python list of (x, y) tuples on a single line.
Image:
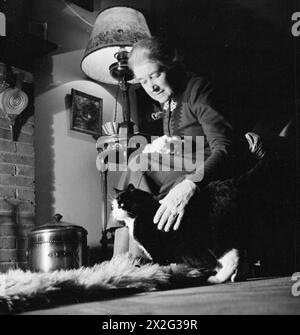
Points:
[(155, 50)]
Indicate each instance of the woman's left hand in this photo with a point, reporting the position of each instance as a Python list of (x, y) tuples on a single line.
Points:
[(173, 205)]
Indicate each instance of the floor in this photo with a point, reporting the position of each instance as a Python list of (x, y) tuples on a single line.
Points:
[(259, 296)]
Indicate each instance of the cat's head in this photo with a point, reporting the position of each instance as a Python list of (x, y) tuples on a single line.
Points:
[(130, 203)]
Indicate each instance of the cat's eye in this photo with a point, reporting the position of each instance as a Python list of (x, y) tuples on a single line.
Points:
[(121, 205)]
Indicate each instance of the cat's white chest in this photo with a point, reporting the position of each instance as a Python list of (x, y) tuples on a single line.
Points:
[(121, 215)]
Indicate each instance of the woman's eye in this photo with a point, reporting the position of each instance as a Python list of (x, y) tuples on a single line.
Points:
[(155, 75)]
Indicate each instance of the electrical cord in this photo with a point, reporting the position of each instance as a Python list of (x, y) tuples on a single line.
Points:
[(116, 103)]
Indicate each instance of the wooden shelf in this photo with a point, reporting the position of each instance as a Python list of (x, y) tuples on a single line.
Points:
[(21, 51)]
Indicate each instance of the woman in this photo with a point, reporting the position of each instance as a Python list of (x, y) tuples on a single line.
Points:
[(188, 108)]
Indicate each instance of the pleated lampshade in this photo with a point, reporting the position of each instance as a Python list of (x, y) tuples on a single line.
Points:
[(115, 28)]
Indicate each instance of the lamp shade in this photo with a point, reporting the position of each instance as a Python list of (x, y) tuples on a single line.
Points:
[(115, 28)]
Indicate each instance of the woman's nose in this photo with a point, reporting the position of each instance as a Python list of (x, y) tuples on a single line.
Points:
[(155, 88)]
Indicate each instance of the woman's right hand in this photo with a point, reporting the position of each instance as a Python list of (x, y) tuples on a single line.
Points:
[(171, 210)]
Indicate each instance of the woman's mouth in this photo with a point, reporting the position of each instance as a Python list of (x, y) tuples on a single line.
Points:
[(158, 94)]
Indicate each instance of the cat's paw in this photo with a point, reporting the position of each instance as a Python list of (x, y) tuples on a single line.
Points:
[(242, 271), (228, 268)]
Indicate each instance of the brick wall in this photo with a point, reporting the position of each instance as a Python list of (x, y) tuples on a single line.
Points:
[(17, 197)]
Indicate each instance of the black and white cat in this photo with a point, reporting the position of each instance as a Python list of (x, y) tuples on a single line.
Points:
[(189, 244), (211, 235)]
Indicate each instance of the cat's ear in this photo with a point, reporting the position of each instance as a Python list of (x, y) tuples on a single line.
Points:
[(130, 188), (116, 191)]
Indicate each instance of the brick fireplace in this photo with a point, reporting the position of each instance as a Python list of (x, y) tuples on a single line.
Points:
[(19, 49), (17, 197)]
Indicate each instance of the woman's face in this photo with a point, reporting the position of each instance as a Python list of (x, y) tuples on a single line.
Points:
[(154, 80)]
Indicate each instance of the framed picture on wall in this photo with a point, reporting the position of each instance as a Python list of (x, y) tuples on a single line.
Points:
[(86, 113)]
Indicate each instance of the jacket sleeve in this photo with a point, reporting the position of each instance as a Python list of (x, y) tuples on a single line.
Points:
[(218, 131)]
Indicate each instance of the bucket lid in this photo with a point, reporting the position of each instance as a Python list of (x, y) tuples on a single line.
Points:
[(57, 224)]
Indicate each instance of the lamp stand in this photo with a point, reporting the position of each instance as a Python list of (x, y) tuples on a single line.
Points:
[(126, 124), (121, 72)]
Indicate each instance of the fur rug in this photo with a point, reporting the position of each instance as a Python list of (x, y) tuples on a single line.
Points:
[(24, 290)]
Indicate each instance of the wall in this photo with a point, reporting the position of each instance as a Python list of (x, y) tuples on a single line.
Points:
[(67, 181)]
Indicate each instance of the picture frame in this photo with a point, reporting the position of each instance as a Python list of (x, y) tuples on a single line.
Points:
[(86, 113)]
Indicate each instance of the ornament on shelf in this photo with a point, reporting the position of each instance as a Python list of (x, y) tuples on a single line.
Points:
[(13, 101)]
